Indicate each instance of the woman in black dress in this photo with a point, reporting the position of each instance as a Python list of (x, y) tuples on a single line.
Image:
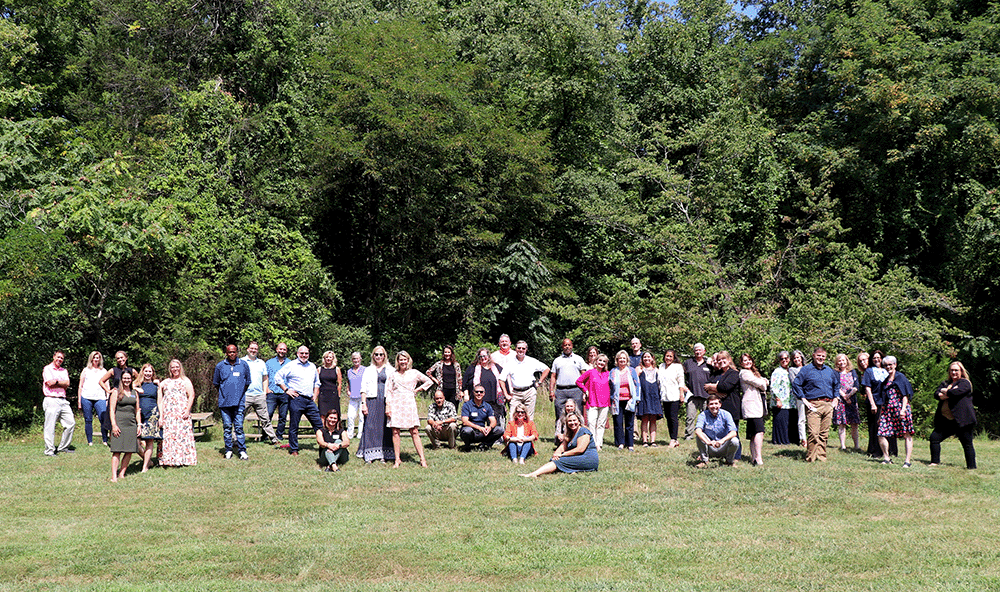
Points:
[(125, 421), (332, 442), (329, 384)]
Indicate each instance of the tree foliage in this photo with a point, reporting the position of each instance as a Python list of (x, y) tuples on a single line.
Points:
[(178, 175)]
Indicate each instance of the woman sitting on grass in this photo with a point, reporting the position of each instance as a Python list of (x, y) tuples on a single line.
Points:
[(578, 455), (520, 435), (332, 442)]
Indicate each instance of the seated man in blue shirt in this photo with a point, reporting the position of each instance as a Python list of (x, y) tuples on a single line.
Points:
[(716, 434), (479, 421)]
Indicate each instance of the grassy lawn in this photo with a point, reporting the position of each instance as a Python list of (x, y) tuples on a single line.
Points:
[(647, 520)]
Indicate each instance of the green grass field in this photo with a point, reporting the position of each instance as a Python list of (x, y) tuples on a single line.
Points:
[(647, 520)]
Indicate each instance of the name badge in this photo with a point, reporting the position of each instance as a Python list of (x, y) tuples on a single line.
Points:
[(475, 414), (236, 373)]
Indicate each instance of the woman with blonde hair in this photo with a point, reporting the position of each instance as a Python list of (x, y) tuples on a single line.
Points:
[(596, 386), (846, 414), (149, 431), (955, 414), (175, 400), (375, 440), (329, 384), (625, 396), (92, 400), (125, 420), (401, 403), (520, 436)]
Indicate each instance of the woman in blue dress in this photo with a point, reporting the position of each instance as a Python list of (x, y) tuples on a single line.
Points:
[(148, 389), (578, 455)]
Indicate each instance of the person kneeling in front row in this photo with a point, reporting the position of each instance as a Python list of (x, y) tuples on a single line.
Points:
[(716, 434), (479, 421), (332, 442)]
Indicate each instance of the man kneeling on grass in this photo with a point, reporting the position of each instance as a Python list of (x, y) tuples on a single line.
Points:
[(716, 434)]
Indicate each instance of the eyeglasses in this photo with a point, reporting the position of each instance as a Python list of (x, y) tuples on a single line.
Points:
[(378, 355), (480, 392)]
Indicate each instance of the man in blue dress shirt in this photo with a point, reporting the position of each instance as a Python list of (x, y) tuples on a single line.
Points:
[(817, 385), (232, 378), (276, 397), (300, 381)]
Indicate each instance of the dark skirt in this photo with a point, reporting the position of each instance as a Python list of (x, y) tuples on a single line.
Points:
[(779, 426), (376, 439)]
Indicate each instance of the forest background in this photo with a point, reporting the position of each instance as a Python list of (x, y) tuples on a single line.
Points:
[(176, 175)]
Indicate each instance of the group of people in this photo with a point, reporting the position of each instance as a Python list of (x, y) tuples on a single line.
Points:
[(137, 411)]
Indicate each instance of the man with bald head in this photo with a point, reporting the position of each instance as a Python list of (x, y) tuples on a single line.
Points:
[(562, 378), (299, 380), (232, 379)]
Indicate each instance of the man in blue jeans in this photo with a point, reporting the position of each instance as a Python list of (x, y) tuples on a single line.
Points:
[(300, 381), (232, 378), (276, 397)]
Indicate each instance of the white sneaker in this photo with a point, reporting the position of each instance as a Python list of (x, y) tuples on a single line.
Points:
[(229, 454), (243, 455)]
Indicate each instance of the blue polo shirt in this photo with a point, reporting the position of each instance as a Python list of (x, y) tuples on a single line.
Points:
[(273, 365), (816, 383), (718, 427), (232, 380), (479, 415)]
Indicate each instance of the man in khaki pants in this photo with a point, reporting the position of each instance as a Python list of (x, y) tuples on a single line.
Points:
[(816, 384)]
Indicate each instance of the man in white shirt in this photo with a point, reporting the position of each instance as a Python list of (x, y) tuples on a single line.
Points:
[(521, 378), (256, 393)]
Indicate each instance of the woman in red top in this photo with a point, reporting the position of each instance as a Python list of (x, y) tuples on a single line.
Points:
[(520, 435)]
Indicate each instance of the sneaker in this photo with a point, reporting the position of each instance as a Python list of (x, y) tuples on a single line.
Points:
[(229, 454), (243, 455), (50, 453)]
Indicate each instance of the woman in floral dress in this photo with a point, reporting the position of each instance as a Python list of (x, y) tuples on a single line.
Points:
[(176, 396), (846, 413), (896, 418), (401, 403)]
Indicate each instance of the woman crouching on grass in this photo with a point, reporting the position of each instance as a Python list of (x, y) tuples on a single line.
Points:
[(332, 442), (579, 454), (520, 435)]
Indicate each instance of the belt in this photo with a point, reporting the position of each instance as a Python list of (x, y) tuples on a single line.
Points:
[(560, 386), (527, 388), (824, 399)]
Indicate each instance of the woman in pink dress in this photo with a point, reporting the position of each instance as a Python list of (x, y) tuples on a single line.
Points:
[(175, 398), (401, 403)]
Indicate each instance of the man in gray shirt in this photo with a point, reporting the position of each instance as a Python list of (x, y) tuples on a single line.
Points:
[(562, 379)]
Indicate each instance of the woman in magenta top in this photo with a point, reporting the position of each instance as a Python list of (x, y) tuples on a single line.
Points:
[(596, 386)]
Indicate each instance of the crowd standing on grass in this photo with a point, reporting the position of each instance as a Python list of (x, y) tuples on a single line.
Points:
[(138, 412)]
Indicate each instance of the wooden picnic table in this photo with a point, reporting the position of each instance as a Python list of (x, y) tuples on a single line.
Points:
[(200, 422)]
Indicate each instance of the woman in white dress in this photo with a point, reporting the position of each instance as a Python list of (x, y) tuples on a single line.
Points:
[(401, 403)]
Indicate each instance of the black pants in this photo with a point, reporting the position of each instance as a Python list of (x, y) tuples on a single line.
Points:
[(672, 409), (874, 450), (951, 428)]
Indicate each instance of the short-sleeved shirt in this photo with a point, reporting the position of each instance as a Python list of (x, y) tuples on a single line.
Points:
[(522, 372), (567, 369), (716, 428), (258, 370), (502, 359), (354, 378), (232, 380), (446, 412), (696, 376), (273, 365), (479, 415), (50, 372)]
